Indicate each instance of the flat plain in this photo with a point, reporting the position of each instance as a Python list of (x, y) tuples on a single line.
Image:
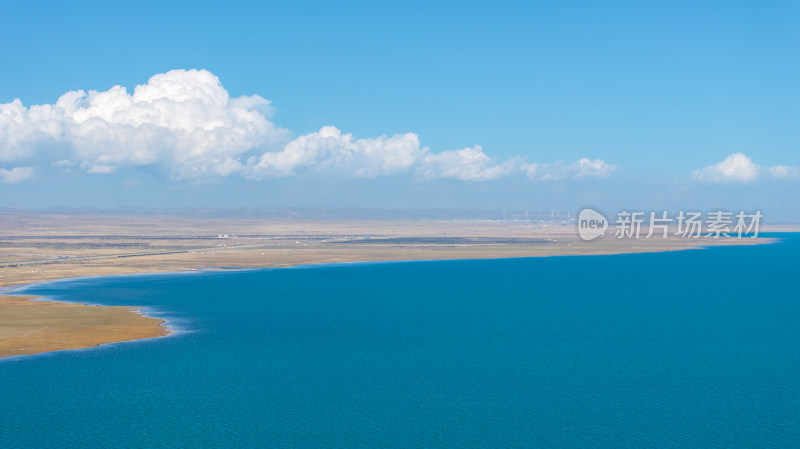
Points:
[(39, 247)]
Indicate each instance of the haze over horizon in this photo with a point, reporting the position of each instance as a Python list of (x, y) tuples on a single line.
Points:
[(455, 106)]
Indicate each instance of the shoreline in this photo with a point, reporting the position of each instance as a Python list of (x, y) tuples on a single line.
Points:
[(82, 334), (242, 258), (11, 289), (34, 325), (170, 333)]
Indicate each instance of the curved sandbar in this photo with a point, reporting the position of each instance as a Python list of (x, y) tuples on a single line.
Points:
[(31, 327)]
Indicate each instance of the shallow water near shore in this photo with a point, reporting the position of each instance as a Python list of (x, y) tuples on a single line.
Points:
[(695, 348)]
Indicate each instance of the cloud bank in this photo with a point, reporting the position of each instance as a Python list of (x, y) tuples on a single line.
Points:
[(738, 168), (184, 124)]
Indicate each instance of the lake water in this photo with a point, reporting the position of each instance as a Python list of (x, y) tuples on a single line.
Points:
[(685, 349)]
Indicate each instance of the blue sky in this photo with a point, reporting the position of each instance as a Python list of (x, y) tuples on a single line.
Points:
[(655, 91)]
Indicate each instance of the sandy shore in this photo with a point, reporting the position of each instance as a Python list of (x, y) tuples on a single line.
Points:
[(45, 247)]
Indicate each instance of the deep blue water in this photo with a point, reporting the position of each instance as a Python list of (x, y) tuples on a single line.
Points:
[(684, 349)]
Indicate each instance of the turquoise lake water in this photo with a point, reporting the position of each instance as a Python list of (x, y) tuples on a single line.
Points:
[(684, 349)]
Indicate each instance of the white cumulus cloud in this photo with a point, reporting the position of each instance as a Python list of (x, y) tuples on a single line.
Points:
[(582, 168), (784, 171), (15, 175), (184, 124), (468, 164), (739, 168), (183, 119), (330, 150)]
